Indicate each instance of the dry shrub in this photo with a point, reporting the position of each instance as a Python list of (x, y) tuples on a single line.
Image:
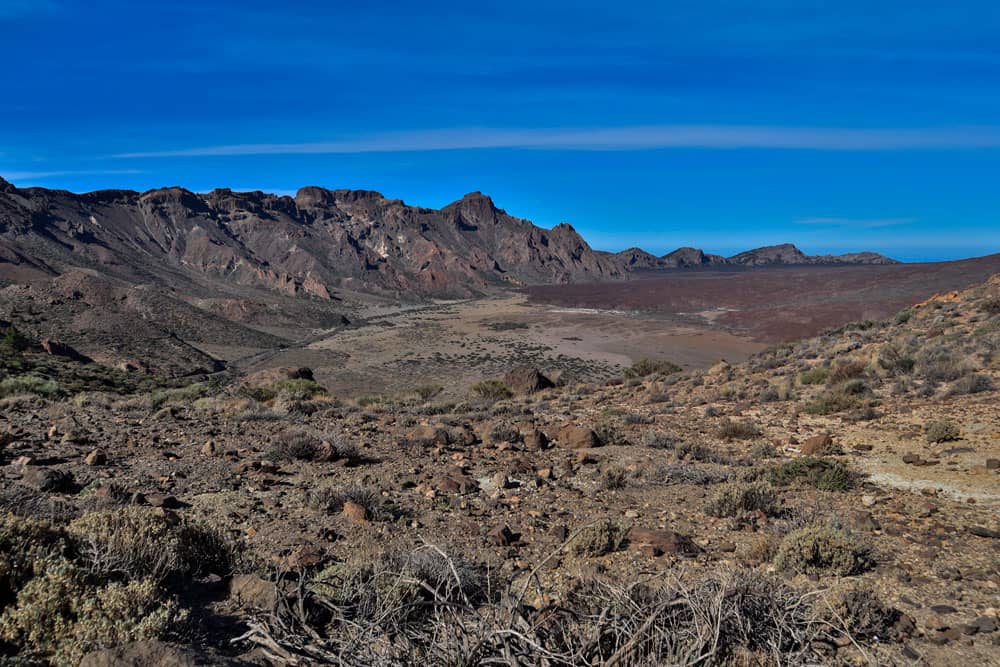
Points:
[(599, 539), (846, 370), (301, 445), (138, 543), (58, 615), (737, 498), (738, 430), (331, 500), (942, 431), (823, 549), (721, 617)]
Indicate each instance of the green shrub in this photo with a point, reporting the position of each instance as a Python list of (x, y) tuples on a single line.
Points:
[(602, 538), (736, 498), (187, 394), (298, 389), (972, 383), (58, 615), (816, 375), (823, 474), (646, 367), (23, 543), (28, 384), (893, 360), (822, 549), (331, 500), (846, 370), (138, 543), (737, 430), (903, 316), (491, 390), (942, 431)]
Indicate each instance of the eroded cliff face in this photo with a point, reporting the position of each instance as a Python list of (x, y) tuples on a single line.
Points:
[(309, 245)]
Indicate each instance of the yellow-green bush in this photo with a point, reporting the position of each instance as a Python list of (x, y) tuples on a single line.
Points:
[(817, 549), (60, 616)]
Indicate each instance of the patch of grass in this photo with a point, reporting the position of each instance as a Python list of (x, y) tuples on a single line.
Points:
[(301, 445), (823, 549), (971, 383), (602, 538), (737, 498), (28, 384), (845, 371), (729, 429), (647, 367), (823, 474), (331, 500), (491, 390), (657, 440), (816, 375), (613, 478), (843, 397)]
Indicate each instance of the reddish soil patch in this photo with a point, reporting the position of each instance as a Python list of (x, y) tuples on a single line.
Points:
[(781, 303)]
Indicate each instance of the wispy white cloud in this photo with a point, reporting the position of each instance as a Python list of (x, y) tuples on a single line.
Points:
[(618, 139), (38, 175), (857, 223)]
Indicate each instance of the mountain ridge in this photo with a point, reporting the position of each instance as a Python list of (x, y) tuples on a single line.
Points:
[(319, 241)]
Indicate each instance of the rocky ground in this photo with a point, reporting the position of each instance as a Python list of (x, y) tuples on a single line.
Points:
[(832, 501)]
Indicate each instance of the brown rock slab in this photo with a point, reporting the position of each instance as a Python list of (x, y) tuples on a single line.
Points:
[(660, 542), (818, 445), (572, 436), (355, 512), (526, 380)]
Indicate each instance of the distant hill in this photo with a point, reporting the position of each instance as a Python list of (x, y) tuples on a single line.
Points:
[(776, 255)]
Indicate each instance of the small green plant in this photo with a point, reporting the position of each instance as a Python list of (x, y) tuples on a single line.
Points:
[(28, 384), (736, 498), (599, 539), (426, 392), (737, 430), (646, 367), (331, 500), (942, 431), (491, 390), (13, 342), (816, 375), (823, 474), (822, 549)]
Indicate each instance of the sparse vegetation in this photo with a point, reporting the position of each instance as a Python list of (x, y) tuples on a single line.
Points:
[(822, 549), (738, 430), (823, 474), (737, 498), (942, 431), (491, 390), (599, 539), (646, 367)]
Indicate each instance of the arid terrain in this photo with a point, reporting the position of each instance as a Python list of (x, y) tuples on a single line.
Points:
[(829, 501), (795, 463)]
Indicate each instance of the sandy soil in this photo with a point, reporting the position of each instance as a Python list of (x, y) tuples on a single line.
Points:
[(395, 349)]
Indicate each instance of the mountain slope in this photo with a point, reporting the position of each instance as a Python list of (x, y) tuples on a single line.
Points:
[(313, 244)]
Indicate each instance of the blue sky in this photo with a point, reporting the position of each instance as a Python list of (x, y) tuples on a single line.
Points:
[(835, 125)]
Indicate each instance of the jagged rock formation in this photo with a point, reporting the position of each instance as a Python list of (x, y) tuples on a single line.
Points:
[(310, 245), (318, 242)]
